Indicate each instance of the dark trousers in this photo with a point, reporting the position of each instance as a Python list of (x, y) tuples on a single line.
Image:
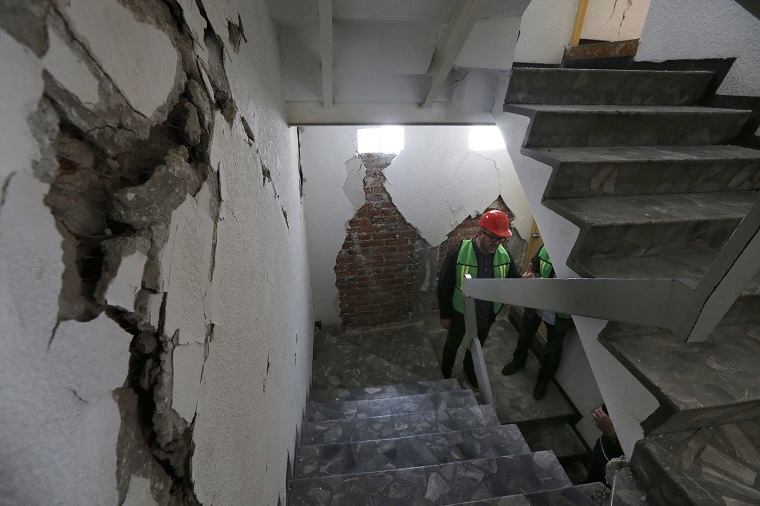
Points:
[(453, 341), (555, 336)]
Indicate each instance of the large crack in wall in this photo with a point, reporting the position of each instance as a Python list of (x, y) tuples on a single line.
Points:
[(122, 186)]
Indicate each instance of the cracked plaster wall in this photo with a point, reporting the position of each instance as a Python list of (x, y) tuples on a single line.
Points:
[(547, 26), (700, 29), (435, 182), (613, 20), (545, 30), (155, 297)]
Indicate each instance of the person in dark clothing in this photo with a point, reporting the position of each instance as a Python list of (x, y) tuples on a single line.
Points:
[(483, 256), (557, 325), (607, 447)]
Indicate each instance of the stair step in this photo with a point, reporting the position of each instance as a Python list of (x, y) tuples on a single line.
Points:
[(338, 364), (514, 394), (394, 426), (640, 170), (572, 86), (440, 484), (384, 391), (559, 438), (685, 267), (653, 224), (715, 465), (592, 494), (413, 451), (405, 346), (378, 407), (613, 125), (696, 384)]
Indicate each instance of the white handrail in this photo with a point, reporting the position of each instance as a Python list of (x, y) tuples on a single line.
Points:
[(691, 313)]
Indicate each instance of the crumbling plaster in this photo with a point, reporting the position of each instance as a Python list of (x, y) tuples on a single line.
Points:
[(190, 282), (700, 29), (435, 182)]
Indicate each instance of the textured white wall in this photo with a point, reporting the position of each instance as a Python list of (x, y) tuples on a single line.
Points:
[(613, 20), (435, 182), (698, 29), (247, 390), (546, 28), (333, 191), (257, 374)]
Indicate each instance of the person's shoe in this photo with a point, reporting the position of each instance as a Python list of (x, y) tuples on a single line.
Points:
[(539, 392), (473, 381), (511, 368)]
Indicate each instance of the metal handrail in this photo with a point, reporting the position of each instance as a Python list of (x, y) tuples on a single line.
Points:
[(690, 312)]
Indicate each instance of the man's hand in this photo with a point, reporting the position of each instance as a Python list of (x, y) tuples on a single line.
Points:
[(603, 422), (446, 323), (528, 274)]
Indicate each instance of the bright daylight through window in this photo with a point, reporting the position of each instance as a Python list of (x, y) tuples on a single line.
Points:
[(485, 138), (387, 139)]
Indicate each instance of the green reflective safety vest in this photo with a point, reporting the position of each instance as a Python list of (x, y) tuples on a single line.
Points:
[(545, 268), (467, 263)]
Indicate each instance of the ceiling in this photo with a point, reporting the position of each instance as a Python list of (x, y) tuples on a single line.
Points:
[(395, 61)]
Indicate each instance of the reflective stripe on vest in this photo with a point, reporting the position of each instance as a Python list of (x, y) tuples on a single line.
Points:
[(546, 268), (467, 263)]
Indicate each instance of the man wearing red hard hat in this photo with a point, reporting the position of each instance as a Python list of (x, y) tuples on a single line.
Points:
[(483, 256)]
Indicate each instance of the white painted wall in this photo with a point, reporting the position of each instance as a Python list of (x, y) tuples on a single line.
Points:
[(698, 29), (435, 182), (612, 20), (546, 28), (627, 400), (247, 390)]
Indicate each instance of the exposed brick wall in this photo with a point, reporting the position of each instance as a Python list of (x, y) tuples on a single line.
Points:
[(377, 268)]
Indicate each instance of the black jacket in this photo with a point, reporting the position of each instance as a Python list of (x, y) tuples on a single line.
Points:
[(447, 284)]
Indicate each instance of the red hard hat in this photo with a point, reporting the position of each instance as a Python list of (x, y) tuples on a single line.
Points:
[(496, 222)]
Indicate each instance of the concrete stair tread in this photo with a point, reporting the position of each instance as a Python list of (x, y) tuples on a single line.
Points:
[(624, 109), (697, 384), (514, 394), (339, 364), (569, 86), (715, 465), (559, 438), (642, 170), (439, 484), (377, 407), (682, 266), (592, 494), (628, 125), (401, 345), (393, 426), (384, 391), (646, 209), (411, 451), (631, 154), (649, 225)]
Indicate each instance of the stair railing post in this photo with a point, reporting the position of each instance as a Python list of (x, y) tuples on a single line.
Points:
[(472, 343)]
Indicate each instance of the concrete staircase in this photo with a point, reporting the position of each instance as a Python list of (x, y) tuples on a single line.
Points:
[(422, 441), (651, 181)]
